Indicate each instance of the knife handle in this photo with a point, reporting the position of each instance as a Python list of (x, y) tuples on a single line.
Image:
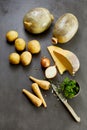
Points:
[(76, 117)]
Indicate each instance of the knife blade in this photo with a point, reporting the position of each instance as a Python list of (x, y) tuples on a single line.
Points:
[(64, 101)]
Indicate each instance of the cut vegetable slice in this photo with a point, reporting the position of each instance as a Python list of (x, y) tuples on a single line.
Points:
[(58, 63), (69, 60), (65, 62), (64, 59), (51, 72)]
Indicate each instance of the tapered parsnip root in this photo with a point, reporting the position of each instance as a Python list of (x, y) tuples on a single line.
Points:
[(37, 91), (42, 83), (35, 100)]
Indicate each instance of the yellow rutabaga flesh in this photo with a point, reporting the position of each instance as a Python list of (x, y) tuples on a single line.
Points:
[(64, 60)]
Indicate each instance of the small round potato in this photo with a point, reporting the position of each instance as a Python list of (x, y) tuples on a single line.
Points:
[(14, 58), (20, 44), (26, 58), (34, 46), (11, 36)]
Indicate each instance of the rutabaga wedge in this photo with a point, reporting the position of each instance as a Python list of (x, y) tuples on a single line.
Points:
[(58, 64), (69, 60), (65, 60)]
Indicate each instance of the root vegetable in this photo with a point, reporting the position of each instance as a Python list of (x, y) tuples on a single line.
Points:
[(11, 35), (14, 58), (42, 83), (65, 60), (65, 28), (37, 20), (69, 60), (37, 91), (26, 58), (51, 72), (35, 100), (34, 46), (45, 62), (58, 64), (20, 44)]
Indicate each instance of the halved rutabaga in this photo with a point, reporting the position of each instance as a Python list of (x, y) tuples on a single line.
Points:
[(58, 63), (67, 58)]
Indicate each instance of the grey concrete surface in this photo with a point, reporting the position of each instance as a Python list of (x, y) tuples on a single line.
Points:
[(16, 111)]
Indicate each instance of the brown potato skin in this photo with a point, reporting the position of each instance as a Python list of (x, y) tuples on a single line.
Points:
[(34, 46), (20, 44), (14, 58), (11, 36), (26, 58)]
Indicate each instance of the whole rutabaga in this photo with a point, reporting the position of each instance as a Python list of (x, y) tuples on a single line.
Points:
[(65, 28), (37, 20)]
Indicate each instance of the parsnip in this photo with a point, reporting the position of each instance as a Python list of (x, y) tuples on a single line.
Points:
[(42, 83), (35, 100), (37, 91)]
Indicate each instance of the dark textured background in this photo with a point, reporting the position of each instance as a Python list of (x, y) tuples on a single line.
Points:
[(16, 111)]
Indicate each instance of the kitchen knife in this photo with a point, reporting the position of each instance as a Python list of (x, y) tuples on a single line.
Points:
[(64, 100)]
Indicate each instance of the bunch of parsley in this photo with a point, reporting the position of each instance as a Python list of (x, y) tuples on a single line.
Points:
[(69, 87)]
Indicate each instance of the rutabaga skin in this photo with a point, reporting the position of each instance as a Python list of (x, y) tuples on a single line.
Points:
[(65, 28), (37, 20)]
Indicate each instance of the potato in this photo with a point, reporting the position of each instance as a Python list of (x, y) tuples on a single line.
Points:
[(26, 58), (20, 44), (11, 35), (14, 58), (34, 46)]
